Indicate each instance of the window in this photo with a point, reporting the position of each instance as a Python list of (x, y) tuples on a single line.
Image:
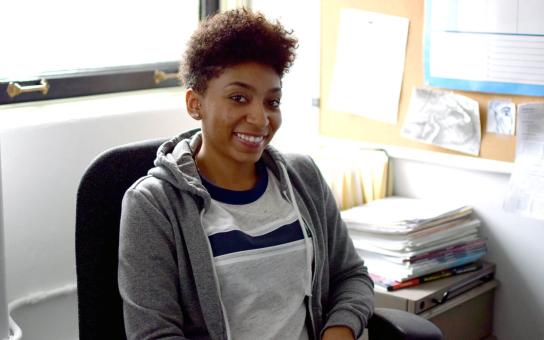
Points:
[(67, 48)]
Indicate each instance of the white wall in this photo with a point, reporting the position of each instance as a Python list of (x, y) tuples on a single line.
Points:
[(45, 150), (516, 244)]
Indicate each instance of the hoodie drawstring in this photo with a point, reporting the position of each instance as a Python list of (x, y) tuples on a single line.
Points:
[(307, 239)]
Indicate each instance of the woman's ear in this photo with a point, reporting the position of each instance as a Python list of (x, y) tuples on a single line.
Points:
[(192, 100)]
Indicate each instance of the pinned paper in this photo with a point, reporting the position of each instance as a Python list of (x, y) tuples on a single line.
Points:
[(445, 119), (526, 188), (369, 64), (501, 117)]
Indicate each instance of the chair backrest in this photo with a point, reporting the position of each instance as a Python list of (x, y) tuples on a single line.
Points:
[(98, 213)]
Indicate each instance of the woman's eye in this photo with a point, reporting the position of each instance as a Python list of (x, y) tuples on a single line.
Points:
[(275, 103), (239, 98)]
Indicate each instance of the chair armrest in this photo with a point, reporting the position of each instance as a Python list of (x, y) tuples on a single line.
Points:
[(393, 324)]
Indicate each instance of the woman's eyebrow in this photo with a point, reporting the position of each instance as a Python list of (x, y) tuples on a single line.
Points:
[(241, 84), (250, 87)]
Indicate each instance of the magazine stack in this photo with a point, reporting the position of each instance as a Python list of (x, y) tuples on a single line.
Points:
[(406, 241)]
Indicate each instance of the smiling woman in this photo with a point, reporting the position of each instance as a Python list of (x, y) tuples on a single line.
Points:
[(227, 238), (63, 48)]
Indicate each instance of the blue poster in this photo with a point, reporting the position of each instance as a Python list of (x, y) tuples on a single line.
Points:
[(485, 46)]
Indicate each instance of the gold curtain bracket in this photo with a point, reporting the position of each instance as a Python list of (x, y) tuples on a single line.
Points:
[(161, 76), (15, 89)]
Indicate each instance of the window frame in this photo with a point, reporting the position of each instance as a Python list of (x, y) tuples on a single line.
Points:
[(102, 80)]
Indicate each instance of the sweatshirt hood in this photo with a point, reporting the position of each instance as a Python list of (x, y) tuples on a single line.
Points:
[(175, 164)]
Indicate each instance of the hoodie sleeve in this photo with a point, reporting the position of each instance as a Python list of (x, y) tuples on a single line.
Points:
[(351, 290), (147, 275)]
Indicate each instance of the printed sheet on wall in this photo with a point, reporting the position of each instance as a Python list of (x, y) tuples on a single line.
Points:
[(492, 46), (526, 189)]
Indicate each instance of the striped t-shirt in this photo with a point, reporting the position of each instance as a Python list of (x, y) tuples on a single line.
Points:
[(260, 259)]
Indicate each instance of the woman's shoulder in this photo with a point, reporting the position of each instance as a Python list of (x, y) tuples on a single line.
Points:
[(300, 163), (151, 188), (304, 169), (148, 183)]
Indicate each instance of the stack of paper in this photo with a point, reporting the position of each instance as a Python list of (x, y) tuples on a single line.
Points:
[(404, 238)]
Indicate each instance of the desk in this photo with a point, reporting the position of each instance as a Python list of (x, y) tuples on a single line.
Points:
[(467, 316)]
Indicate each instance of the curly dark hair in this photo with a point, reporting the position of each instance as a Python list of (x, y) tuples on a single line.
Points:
[(233, 37)]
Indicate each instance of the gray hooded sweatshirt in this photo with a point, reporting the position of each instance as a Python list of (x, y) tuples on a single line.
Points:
[(166, 272)]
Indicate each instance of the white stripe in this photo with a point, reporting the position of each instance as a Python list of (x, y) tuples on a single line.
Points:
[(255, 254), (253, 231)]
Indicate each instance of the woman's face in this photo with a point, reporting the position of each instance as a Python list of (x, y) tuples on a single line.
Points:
[(240, 113)]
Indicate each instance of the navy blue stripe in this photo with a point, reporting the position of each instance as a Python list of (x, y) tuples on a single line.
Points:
[(235, 240), (239, 197)]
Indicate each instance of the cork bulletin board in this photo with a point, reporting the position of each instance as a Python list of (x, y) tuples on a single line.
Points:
[(348, 126)]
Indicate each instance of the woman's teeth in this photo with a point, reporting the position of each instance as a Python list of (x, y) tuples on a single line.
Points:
[(251, 139)]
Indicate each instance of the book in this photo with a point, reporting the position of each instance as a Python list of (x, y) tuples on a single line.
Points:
[(464, 247), (404, 243), (402, 216), (404, 254), (436, 256), (440, 254), (404, 272), (392, 285)]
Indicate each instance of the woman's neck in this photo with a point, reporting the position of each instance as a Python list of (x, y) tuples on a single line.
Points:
[(232, 176)]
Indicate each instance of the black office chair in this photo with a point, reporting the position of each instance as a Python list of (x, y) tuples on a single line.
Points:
[(97, 237)]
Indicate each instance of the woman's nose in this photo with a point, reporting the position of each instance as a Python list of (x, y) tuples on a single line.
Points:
[(258, 116)]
